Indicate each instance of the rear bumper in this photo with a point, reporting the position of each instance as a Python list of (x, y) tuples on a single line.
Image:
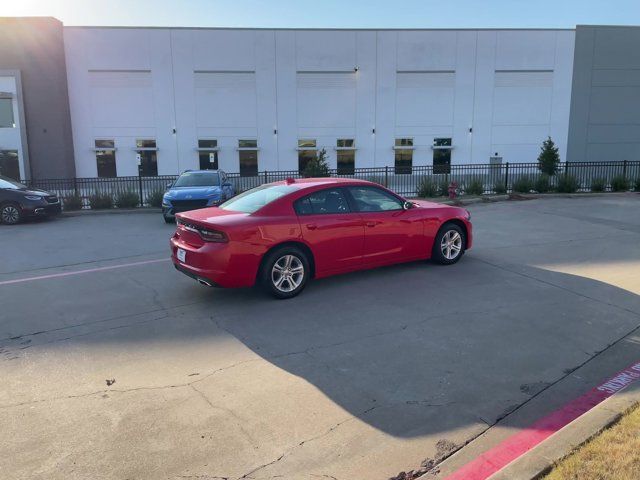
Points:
[(225, 265), (182, 269)]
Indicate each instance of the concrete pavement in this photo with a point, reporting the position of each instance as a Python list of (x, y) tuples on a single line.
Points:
[(362, 376)]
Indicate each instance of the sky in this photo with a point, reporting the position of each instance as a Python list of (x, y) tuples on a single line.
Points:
[(332, 13)]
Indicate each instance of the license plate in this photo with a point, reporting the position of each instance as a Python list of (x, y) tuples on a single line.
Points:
[(182, 255)]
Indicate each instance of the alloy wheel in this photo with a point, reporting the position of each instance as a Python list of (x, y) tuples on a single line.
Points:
[(10, 214), (451, 244), (287, 273)]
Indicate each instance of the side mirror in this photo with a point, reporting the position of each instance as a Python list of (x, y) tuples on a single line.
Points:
[(407, 205), (226, 184)]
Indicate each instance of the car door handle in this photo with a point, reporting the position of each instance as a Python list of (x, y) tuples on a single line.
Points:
[(312, 226), (372, 224)]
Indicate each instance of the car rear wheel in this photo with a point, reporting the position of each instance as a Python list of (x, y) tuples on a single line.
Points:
[(449, 244), (168, 219), (10, 213), (285, 272)]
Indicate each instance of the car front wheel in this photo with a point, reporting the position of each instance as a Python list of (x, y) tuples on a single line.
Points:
[(449, 244), (10, 214), (285, 272)]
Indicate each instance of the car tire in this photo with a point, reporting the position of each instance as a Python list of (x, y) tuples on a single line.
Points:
[(10, 213), (449, 244), (168, 219), (285, 272)]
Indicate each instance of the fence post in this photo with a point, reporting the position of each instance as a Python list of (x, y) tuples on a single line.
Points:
[(75, 186), (140, 190), (506, 177), (624, 169), (566, 168), (386, 175), (266, 180)]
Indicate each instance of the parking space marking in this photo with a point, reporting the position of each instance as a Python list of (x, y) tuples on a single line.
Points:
[(78, 272), (518, 444)]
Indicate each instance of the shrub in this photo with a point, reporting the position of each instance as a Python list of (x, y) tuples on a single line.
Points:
[(522, 184), (100, 201), (499, 188), (428, 187), (443, 186), (549, 157), (636, 186), (72, 202), (154, 199), (619, 184), (127, 199), (542, 183), (568, 184), (474, 187), (318, 166), (598, 184)]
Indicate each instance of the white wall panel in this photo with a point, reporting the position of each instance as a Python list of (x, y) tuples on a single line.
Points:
[(427, 50), (224, 98), (424, 98), (488, 90), (325, 50), (326, 100), (525, 50), (121, 99), (223, 49)]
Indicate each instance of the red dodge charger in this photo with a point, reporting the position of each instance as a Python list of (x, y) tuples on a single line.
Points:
[(282, 234)]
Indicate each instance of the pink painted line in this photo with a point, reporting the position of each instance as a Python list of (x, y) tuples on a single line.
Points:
[(78, 272), (518, 444)]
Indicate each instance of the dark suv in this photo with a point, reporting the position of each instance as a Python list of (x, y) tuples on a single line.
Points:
[(18, 202)]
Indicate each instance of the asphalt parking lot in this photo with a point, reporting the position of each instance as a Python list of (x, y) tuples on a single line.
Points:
[(362, 376)]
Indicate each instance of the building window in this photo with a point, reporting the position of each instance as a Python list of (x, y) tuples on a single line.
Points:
[(9, 166), (442, 155), (208, 154), (6, 113), (106, 158), (346, 156), (147, 156), (306, 151), (404, 155), (248, 156)]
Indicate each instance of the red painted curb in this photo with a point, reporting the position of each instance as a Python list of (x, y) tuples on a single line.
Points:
[(518, 444)]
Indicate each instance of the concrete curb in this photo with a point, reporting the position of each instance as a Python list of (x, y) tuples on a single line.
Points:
[(110, 211), (538, 461)]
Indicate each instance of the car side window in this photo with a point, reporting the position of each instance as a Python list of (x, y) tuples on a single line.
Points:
[(372, 199), (327, 201)]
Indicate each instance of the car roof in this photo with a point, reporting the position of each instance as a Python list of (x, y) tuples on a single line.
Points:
[(303, 183), (201, 171)]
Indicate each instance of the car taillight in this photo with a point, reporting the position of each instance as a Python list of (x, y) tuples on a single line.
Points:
[(212, 235)]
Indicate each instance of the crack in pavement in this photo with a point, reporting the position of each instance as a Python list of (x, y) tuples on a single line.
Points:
[(308, 440), (103, 320), (227, 410), (133, 389)]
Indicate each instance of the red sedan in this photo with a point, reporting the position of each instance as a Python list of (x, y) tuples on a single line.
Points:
[(282, 234)]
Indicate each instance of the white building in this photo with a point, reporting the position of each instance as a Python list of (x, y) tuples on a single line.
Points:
[(491, 92)]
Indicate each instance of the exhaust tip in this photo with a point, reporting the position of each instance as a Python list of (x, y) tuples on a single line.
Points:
[(202, 281)]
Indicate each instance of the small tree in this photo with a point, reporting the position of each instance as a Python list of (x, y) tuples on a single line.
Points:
[(549, 157), (318, 166)]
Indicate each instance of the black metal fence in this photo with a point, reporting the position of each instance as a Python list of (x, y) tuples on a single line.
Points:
[(476, 178)]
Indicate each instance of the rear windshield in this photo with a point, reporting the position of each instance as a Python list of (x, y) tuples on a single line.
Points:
[(198, 179), (256, 198)]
